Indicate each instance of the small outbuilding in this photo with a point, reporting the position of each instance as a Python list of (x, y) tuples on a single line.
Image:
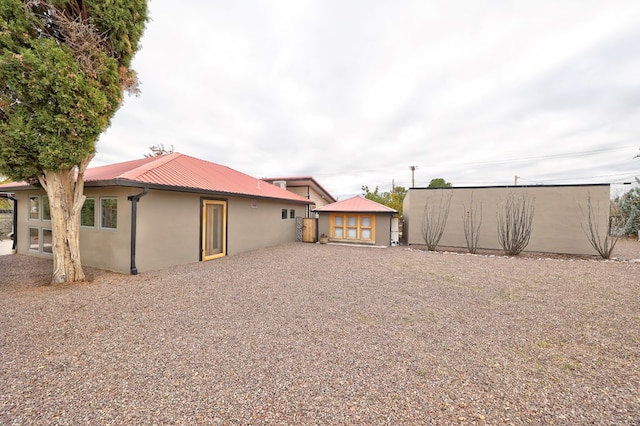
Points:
[(356, 220)]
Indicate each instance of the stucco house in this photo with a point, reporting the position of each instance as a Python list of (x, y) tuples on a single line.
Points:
[(356, 220), (156, 212)]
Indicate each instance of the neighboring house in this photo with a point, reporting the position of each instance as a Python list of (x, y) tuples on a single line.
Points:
[(560, 214), (356, 220), (305, 186), (161, 211)]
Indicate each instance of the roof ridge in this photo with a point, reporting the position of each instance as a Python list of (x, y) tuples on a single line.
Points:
[(151, 165)]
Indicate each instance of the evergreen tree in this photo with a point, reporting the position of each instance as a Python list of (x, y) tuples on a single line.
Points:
[(64, 66)]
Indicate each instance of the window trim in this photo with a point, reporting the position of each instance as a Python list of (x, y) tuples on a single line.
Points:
[(100, 224), (46, 219), (94, 214), (38, 207), (29, 248), (42, 244), (344, 226)]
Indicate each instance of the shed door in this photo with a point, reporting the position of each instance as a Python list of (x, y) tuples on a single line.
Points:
[(214, 229), (309, 230)]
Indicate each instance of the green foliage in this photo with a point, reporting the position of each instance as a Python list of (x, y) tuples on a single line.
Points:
[(628, 206), (439, 183), (4, 203), (391, 199), (63, 68)]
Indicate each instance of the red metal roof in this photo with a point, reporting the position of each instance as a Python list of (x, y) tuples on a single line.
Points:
[(357, 204), (182, 171)]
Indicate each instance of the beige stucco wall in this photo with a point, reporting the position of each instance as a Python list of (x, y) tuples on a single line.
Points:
[(556, 224), (310, 193), (383, 227), (317, 198), (302, 191), (168, 228), (106, 248), (101, 248), (251, 228)]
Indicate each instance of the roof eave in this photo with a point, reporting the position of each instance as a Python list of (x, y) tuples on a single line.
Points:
[(355, 211), (138, 184)]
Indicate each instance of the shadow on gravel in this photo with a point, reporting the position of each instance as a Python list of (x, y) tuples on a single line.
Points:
[(21, 272)]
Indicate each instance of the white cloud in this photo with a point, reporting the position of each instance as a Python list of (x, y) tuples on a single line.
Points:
[(355, 92)]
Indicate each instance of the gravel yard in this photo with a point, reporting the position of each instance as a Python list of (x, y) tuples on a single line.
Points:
[(325, 334)]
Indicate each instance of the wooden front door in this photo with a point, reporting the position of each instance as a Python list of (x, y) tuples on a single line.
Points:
[(214, 229), (309, 230)]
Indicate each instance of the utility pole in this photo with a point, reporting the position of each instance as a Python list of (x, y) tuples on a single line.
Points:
[(413, 171), (515, 180)]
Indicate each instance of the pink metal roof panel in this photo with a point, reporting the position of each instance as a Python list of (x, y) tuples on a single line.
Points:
[(182, 171), (357, 204)]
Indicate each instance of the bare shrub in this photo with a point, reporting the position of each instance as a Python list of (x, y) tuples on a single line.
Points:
[(472, 219), (515, 219), (434, 220), (604, 245)]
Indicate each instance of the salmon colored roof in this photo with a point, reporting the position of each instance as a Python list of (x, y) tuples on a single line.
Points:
[(183, 172), (357, 204)]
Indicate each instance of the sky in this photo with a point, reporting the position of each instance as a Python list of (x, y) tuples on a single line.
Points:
[(356, 92)]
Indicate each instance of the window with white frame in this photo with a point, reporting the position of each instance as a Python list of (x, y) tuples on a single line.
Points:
[(34, 207), (34, 239), (88, 213), (109, 213), (47, 241), (46, 208)]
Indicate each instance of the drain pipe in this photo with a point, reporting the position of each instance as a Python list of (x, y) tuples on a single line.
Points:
[(14, 237), (134, 211)]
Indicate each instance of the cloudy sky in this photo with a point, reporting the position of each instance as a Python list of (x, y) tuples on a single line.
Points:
[(355, 92)]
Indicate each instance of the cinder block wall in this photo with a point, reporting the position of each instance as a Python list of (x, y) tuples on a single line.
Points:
[(556, 224)]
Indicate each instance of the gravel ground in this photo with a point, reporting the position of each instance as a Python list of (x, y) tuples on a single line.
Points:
[(324, 334)]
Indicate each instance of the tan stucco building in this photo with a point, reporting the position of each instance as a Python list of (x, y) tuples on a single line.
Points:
[(157, 212)]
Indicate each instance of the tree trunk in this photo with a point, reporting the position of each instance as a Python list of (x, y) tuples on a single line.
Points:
[(65, 191)]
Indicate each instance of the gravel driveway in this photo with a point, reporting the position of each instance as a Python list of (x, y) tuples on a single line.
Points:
[(323, 334)]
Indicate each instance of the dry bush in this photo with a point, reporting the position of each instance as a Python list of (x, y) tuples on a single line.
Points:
[(604, 245), (434, 220), (515, 219), (472, 219)]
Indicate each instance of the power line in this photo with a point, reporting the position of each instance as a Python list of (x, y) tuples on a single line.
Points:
[(543, 157)]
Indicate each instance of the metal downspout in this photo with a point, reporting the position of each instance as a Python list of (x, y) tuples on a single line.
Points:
[(134, 212)]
